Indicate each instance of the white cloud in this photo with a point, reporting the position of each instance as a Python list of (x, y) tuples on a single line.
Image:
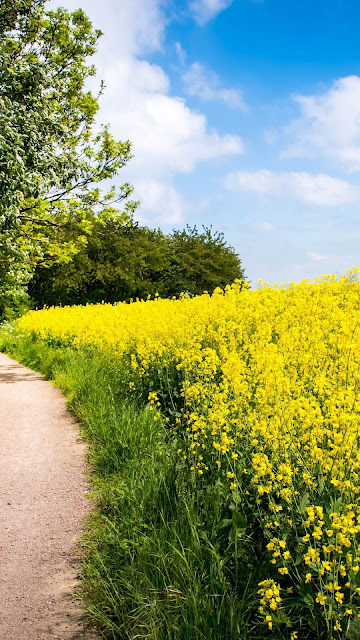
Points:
[(206, 85), (318, 190), (205, 10), (329, 125), (262, 227), (167, 136), (316, 257), (163, 203), (130, 26), (181, 53)]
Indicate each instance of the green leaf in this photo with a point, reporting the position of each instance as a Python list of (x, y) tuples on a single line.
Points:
[(224, 523), (304, 503), (238, 521)]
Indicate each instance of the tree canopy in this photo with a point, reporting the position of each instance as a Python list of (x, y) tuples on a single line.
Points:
[(123, 263), (52, 157)]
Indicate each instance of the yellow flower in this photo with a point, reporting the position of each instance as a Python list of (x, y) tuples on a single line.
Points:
[(268, 619), (266, 379), (321, 598), (339, 597)]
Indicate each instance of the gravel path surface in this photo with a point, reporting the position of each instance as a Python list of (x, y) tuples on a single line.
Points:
[(42, 508)]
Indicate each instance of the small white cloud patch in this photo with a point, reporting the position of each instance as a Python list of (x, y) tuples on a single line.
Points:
[(329, 125), (316, 257), (263, 227), (206, 85), (205, 10), (319, 190), (163, 204), (180, 52)]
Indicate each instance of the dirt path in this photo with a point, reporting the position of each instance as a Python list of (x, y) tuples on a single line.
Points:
[(42, 507)]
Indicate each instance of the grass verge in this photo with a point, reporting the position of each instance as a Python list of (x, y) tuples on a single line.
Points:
[(153, 566)]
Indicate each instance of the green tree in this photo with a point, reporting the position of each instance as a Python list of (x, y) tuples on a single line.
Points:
[(51, 158), (201, 261), (120, 263), (12, 10)]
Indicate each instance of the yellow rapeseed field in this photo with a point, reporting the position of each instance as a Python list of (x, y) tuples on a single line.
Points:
[(264, 387)]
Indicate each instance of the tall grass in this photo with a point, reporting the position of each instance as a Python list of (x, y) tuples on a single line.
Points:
[(153, 565)]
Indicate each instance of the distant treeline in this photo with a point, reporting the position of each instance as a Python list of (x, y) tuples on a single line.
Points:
[(127, 262)]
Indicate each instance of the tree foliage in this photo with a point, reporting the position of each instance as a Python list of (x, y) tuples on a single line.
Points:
[(120, 263), (52, 158), (202, 260)]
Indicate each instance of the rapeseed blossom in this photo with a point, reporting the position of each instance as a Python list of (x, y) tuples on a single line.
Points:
[(263, 387)]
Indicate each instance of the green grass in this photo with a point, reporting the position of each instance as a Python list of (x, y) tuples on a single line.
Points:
[(155, 564)]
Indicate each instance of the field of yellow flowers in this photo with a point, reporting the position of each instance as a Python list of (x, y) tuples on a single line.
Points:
[(261, 388)]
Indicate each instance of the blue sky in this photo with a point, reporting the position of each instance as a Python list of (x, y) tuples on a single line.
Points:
[(244, 115)]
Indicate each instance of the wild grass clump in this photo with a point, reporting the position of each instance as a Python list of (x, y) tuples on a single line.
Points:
[(224, 435)]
